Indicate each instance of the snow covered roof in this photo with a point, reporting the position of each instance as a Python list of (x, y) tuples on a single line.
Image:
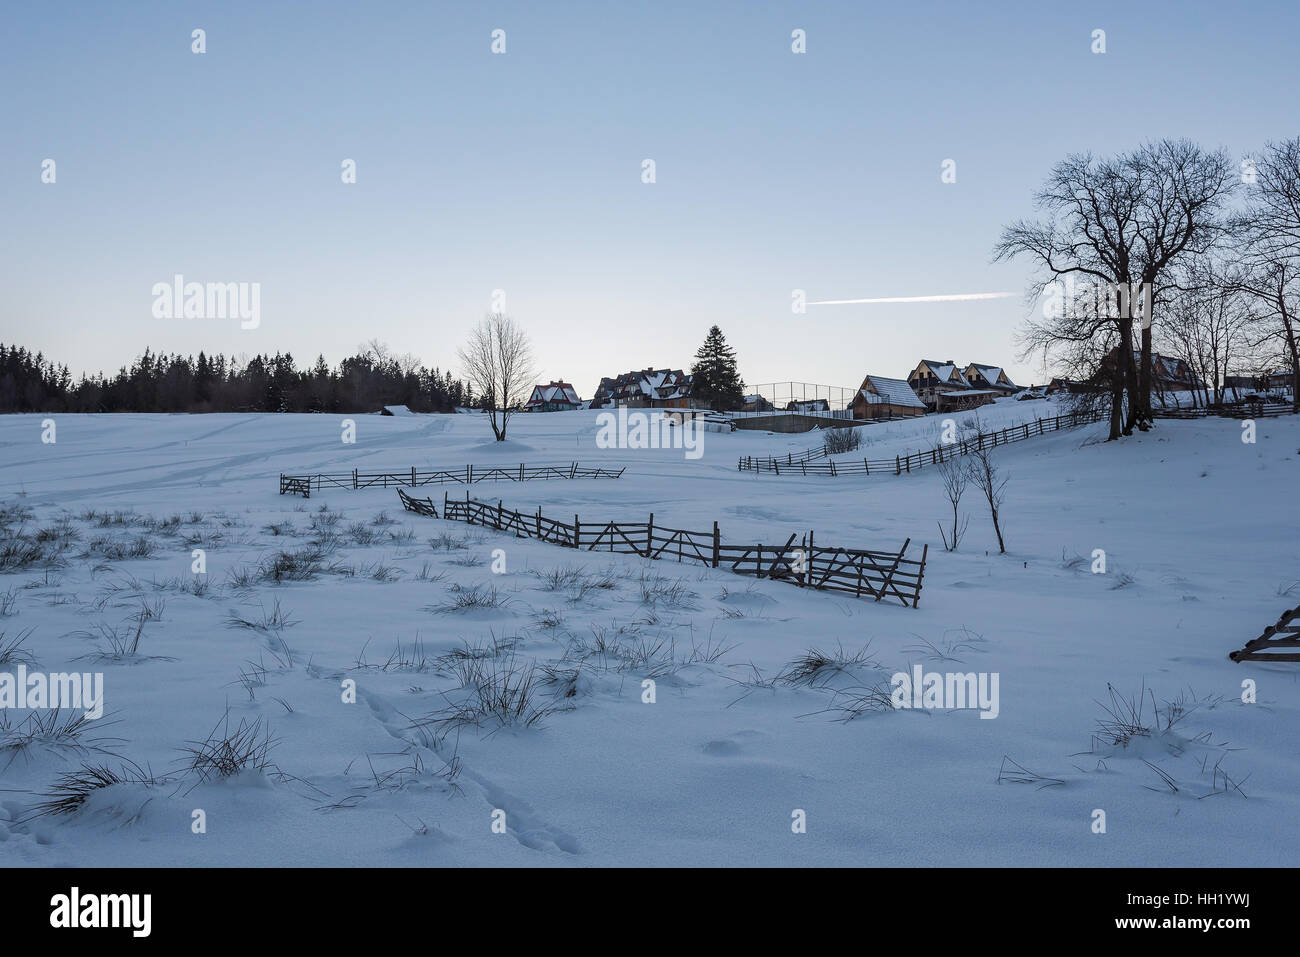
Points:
[(890, 392), (396, 410), (554, 392), (991, 374), (947, 372), (653, 383)]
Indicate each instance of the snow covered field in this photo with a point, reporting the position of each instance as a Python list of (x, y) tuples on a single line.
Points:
[(1199, 534)]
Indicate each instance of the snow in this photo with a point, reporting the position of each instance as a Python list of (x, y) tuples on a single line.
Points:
[(892, 392), (1199, 557), (947, 372)]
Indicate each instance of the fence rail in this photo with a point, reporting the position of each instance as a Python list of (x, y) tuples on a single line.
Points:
[(304, 485), (808, 461), (861, 572), (1285, 634), (1239, 410)]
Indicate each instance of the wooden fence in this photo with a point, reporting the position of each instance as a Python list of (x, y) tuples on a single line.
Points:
[(1285, 634), (304, 485), (807, 462), (1238, 410), (800, 561)]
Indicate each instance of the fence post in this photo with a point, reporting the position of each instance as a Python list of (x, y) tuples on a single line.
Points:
[(500, 508), (809, 563), (444, 503), (539, 521), (898, 468), (649, 534), (866, 468), (716, 544), (577, 536), (521, 471), (832, 468), (469, 474), (573, 470), (908, 462), (354, 478)]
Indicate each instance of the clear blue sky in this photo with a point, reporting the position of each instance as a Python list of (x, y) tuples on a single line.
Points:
[(476, 171)]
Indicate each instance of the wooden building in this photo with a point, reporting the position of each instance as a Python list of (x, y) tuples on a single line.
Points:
[(882, 398)]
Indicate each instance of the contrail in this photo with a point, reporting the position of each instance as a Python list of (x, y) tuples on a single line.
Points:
[(956, 297)]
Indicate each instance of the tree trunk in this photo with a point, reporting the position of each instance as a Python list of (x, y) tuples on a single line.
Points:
[(1127, 369), (1142, 415)]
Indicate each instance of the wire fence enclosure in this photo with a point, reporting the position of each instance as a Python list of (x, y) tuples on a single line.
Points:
[(304, 485), (808, 461), (800, 561)]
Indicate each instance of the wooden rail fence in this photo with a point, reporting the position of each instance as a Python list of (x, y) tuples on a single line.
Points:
[(807, 462), (304, 485), (1285, 634), (1239, 410), (801, 562)]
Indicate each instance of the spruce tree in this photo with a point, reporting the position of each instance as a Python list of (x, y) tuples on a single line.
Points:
[(715, 380)]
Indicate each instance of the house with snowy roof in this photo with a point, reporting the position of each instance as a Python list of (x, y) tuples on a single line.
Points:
[(943, 388), (553, 397), (989, 377), (882, 398), (647, 389)]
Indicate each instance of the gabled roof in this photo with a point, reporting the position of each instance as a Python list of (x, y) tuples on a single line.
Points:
[(554, 392), (653, 383), (947, 372), (889, 392), (991, 374)]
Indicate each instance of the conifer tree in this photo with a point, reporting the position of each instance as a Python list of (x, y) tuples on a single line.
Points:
[(715, 380)]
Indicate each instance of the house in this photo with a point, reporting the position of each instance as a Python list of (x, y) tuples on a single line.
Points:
[(1173, 375), (989, 377), (1033, 392), (395, 410), (1167, 373), (1281, 381), (1061, 384), (647, 389), (943, 388), (881, 398), (808, 406), (553, 397), (756, 403)]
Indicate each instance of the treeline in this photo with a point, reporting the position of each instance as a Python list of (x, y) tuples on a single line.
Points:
[(29, 382)]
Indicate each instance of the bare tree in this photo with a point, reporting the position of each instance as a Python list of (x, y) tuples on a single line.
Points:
[(1207, 316), (498, 362), (1186, 188), (1270, 250), (954, 478), (1088, 233), (987, 476), (1118, 224)]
